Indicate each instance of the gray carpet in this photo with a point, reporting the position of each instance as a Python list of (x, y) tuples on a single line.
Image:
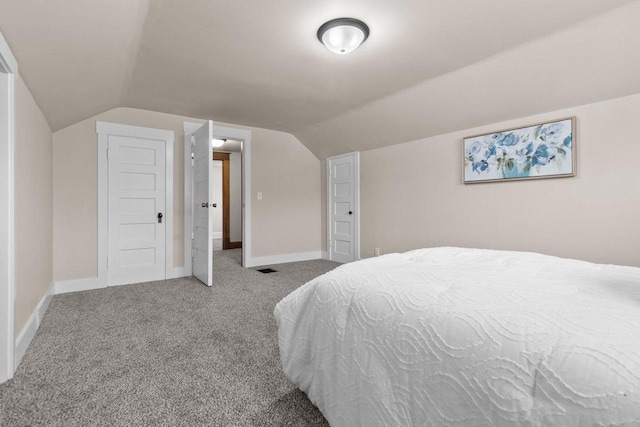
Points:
[(164, 353)]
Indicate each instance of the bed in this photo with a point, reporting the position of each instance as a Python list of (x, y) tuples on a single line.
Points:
[(467, 337)]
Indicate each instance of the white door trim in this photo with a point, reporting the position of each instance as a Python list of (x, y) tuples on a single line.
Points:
[(218, 132), (356, 219), (9, 69), (104, 130)]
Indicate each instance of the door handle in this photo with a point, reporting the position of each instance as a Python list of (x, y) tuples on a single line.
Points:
[(159, 217), (350, 213), (205, 205), (214, 205)]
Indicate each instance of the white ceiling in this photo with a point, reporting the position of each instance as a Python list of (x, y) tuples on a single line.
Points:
[(428, 67)]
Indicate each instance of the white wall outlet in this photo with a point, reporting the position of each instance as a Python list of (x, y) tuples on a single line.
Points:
[(376, 252), (259, 195)]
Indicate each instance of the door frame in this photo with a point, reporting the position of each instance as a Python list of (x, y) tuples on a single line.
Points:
[(104, 131), (9, 70), (219, 131), (356, 195)]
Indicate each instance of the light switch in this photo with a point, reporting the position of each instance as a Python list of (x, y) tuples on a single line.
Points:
[(259, 195)]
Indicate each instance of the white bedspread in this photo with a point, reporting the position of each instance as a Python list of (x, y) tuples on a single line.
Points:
[(467, 337)]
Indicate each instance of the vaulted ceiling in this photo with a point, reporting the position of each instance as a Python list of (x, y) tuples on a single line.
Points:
[(428, 67)]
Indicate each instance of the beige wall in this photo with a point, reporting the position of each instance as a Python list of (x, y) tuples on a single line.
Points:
[(34, 199), (412, 194), (286, 221)]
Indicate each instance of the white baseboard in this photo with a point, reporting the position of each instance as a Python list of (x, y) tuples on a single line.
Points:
[(29, 331), (281, 259), (76, 285), (91, 283)]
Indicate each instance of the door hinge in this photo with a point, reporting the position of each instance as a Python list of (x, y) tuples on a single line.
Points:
[(107, 262), (193, 236), (107, 153)]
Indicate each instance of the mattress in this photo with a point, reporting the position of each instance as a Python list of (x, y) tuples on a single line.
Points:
[(467, 337)]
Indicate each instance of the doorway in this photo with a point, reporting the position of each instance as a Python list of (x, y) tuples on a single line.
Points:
[(242, 233), (135, 204), (217, 203), (227, 182), (8, 75)]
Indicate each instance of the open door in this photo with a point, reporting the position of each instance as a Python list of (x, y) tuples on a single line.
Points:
[(202, 196)]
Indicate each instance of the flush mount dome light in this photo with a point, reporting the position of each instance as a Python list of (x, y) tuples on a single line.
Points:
[(218, 142), (343, 35)]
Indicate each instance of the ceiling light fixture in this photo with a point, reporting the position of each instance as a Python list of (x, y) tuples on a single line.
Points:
[(218, 142), (343, 35)]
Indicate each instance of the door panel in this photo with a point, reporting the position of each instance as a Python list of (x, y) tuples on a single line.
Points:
[(202, 198), (136, 197), (342, 207)]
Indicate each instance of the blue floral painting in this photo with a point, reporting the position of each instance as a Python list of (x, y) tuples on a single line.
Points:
[(538, 151)]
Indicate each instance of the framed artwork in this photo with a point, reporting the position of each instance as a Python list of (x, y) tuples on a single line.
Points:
[(541, 150)]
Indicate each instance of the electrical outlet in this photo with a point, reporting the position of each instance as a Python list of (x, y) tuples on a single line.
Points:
[(259, 195)]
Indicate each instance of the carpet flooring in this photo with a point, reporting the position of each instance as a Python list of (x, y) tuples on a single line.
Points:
[(166, 353)]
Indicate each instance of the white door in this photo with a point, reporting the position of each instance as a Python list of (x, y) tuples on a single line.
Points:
[(342, 185), (136, 210), (202, 251)]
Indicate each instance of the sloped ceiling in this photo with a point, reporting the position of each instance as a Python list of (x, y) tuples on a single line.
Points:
[(429, 66)]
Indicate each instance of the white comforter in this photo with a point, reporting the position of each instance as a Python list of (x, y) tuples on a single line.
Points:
[(467, 337)]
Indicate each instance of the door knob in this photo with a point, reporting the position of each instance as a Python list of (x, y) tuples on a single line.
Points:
[(205, 205), (159, 217), (214, 205), (350, 213)]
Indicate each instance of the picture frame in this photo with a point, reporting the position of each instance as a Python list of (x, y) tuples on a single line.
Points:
[(537, 151)]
